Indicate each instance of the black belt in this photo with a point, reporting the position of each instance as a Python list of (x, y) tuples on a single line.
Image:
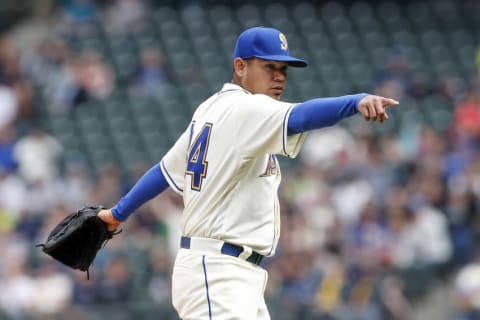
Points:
[(228, 249)]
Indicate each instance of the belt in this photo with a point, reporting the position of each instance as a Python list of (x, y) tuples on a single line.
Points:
[(220, 246)]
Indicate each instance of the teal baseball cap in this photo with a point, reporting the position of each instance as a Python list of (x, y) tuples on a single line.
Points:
[(267, 44)]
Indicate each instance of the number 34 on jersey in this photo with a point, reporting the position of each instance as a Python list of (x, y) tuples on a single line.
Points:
[(197, 164)]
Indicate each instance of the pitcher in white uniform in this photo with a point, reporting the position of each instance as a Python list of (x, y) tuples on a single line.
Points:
[(225, 167)]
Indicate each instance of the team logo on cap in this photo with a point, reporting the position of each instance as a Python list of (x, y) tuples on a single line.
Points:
[(283, 41)]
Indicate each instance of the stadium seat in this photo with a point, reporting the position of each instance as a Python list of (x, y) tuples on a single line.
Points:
[(249, 15), (143, 34), (304, 11), (392, 18), (420, 16)]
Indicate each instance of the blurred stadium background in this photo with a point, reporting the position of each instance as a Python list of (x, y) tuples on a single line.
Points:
[(379, 221)]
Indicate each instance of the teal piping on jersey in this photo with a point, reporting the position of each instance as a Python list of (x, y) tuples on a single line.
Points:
[(206, 286), (170, 180), (284, 137), (322, 112), (148, 186)]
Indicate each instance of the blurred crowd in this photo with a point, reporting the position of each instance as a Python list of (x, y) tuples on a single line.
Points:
[(371, 221)]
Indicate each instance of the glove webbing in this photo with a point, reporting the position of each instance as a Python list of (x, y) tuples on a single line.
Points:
[(110, 236)]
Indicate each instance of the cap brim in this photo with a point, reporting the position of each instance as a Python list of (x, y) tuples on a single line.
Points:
[(292, 61)]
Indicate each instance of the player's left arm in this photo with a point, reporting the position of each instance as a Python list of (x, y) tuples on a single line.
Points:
[(324, 112)]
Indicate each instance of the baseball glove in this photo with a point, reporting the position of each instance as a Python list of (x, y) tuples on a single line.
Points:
[(76, 240)]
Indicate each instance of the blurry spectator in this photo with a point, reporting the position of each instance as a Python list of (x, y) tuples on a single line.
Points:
[(151, 77), (12, 76), (467, 285), (434, 242), (84, 290), (8, 138), (460, 213), (429, 219), (451, 88), (369, 245), (13, 194), (53, 290), (95, 78), (49, 64), (9, 106), (115, 285), (42, 60), (107, 190), (477, 61), (425, 226), (159, 284), (459, 158), (29, 224), (306, 189), (168, 208), (9, 66), (65, 92), (339, 150), (393, 301), (329, 295), (467, 115), (420, 86), (380, 164), (80, 11), (396, 78), (350, 195), (38, 155), (473, 177), (123, 15), (300, 234), (431, 146), (403, 240), (43, 195), (80, 79), (18, 287), (360, 304), (78, 184), (338, 147), (300, 280)]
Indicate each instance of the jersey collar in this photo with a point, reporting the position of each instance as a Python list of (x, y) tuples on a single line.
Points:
[(229, 87)]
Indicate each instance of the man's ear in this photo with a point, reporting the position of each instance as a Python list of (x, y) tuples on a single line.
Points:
[(239, 67)]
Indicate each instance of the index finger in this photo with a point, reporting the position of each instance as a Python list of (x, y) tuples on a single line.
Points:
[(390, 102)]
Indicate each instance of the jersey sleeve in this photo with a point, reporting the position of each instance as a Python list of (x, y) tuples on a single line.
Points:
[(262, 127), (174, 163)]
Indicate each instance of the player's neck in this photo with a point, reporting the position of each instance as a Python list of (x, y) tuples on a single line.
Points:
[(235, 81)]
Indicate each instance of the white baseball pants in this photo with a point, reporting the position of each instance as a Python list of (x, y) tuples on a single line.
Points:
[(215, 286)]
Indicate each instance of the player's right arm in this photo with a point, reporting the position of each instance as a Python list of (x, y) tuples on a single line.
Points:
[(265, 125), (324, 112)]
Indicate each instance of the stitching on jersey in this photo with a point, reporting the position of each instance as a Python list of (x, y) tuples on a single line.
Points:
[(274, 224), (229, 90)]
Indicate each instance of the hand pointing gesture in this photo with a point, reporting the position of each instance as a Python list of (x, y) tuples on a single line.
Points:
[(373, 107)]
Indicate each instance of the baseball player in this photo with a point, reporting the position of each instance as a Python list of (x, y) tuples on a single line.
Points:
[(225, 167)]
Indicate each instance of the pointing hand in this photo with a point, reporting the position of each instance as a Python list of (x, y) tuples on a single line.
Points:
[(373, 107)]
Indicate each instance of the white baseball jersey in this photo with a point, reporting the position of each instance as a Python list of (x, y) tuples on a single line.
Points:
[(225, 167)]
